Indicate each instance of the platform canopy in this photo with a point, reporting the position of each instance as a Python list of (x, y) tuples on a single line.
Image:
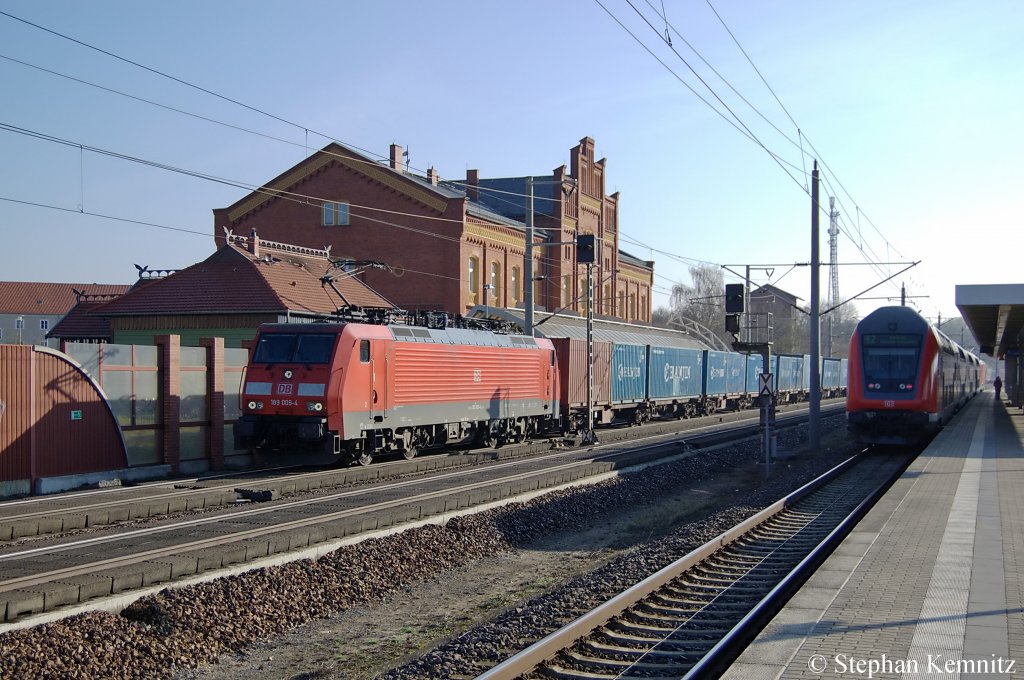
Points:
[(995, 315)]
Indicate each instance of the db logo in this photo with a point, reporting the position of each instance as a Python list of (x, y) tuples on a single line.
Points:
[(284, 388), (888, 403)]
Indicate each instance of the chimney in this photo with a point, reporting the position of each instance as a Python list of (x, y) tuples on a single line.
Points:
[(396, 158), (254, 244), (473, 184), (432, 176)]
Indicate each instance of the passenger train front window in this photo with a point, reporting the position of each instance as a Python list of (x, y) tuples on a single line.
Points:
[(884, 363)]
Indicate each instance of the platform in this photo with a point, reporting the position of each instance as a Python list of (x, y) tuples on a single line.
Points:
[(929, 583)]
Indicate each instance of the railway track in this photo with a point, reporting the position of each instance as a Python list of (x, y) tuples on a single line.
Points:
[(55, 572), (693, 616), (54, 515)]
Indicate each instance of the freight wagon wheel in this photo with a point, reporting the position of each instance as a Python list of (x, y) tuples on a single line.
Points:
[(409, 452), (364, 458)]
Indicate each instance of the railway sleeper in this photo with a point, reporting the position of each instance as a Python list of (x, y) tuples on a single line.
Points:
[(627, 638), (756, 575), (725, 572), (724, 580), (726, 598), (563, 673), (676, 620), (716, 607), (617, 666), (669, 624), (663, 654), (668, 611)]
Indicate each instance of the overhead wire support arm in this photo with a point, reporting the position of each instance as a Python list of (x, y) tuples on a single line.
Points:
[(866, 290)]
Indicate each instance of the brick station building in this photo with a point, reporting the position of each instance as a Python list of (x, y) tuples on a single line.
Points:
[(452, 245)]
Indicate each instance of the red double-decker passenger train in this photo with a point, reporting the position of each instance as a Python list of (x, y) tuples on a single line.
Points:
[(906, 378)]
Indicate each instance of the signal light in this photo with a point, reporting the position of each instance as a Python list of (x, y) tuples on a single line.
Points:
[(586, 248), (734, 294)]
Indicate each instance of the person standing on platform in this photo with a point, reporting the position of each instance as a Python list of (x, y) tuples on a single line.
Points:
[(998, 384)]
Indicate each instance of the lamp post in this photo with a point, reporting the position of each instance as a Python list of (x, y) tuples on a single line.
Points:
[(21, 325)]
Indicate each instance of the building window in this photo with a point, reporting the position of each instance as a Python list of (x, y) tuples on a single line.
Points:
[(44, 324), (517, 283), (335, 214), (566, 290), (19, 323), (622, 304), (474, 267), (495, 280)]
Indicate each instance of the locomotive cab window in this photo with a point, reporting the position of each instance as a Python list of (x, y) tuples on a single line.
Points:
[(364, 351), (291, 348)]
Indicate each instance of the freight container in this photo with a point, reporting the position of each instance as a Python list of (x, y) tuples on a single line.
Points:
[(713, 381), (676, 373), (830, 385), (735, 373), (572, 371), (629, 373), (788, 376), (755, 367)]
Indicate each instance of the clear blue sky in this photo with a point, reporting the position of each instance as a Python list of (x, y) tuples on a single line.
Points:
[(913, 107)]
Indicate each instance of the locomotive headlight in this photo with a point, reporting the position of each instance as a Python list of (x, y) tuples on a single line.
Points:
[(314, 406), (255, 405), (252, 405), (287, 375)]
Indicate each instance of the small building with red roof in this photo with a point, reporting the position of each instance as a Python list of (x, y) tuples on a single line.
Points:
[(29, 310), (246, 282)]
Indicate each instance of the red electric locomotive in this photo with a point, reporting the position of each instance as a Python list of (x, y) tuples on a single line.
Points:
[(906, 378), (358, 390)]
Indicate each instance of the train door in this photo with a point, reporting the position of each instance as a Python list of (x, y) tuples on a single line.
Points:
[(549, 379), (373, 398)]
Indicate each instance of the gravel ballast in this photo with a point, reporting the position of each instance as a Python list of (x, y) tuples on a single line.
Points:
[(180, 629)]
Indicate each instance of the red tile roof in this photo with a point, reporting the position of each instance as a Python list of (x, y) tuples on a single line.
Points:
[(48, 298), (232, 280)]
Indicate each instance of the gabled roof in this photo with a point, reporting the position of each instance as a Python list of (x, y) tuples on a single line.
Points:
[(48, 299), (280, 278), (416, 188)]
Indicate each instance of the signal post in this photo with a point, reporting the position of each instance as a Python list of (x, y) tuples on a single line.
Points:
[(735, 295)]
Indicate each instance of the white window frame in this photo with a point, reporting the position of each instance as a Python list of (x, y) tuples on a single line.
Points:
[(44, 324), (335, 214)]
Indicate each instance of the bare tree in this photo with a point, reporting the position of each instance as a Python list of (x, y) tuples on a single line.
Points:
[(837, 328), (703, 301)]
